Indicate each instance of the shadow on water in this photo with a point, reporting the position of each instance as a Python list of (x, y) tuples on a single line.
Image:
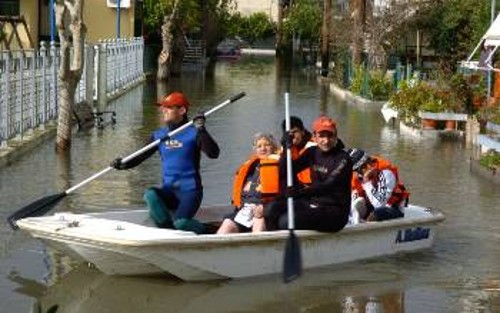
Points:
[(460, 271)]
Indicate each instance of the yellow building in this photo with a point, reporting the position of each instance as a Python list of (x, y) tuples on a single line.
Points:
[(100, 16)]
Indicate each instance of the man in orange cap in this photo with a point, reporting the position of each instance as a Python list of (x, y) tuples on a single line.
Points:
[(175, 203), (323, 205)]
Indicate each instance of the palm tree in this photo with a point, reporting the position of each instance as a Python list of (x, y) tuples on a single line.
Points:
[(72, 31)]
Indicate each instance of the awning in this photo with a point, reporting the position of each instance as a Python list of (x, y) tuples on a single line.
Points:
[(489, 44)]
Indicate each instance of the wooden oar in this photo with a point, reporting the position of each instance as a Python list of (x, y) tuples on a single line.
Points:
[(43, 205), (292, 263)]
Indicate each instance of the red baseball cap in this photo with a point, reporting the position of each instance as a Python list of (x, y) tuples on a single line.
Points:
[(324, 123), (174, 99)]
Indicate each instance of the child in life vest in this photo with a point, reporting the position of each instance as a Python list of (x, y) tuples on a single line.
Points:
[(377, 192), (256, 182)]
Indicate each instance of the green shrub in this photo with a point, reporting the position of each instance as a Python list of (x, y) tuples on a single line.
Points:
[(373, 85), (412, 97), (490, 160), (380, 86), (490, 113), (357, 80), (433, 97)]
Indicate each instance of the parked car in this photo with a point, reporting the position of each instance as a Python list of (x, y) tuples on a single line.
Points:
[(228, 49)]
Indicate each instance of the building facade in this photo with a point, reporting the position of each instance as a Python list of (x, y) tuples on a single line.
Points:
[(100, 16)]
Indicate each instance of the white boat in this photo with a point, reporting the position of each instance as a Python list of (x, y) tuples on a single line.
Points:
[(126, 243)]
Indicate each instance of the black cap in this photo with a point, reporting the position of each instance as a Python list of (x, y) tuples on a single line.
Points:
[(358, 157)]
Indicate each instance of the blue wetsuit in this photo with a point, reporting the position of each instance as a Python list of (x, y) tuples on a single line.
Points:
[(180, 195), (181, 190)]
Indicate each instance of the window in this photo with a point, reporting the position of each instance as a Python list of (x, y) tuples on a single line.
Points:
[(9, 7)]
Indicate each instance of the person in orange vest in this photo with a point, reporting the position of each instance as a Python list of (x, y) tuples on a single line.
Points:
[(377, 191), (302, 139), (323, 205), (256, 182)]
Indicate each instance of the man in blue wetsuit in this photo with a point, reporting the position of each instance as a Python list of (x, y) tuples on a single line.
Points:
[(175, 204)]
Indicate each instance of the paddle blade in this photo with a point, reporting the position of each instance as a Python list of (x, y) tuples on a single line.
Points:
[(36, 208), (292, 264)]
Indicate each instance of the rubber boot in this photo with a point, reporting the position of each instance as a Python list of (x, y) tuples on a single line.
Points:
[(189, 225), (157, 209)]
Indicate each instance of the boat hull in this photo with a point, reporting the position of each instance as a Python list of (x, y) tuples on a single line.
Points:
[(119, 245)]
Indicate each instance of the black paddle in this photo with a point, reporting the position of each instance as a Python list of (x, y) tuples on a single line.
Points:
[(43, 205), (292, 264)]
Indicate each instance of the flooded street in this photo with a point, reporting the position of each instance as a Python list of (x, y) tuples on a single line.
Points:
[(460, 273)]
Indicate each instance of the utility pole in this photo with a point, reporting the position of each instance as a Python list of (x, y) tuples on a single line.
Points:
[(118, 18), (493, 4), (52, 21)]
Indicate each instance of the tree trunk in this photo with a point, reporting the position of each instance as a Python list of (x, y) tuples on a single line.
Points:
[(358, 15), (72, 31), (168, 42), (210, 29), (325, 37), (279, 28), (64, 121), (177, 56)]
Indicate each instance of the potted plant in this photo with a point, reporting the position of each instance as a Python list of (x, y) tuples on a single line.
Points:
[(408, 100), (433, 104)]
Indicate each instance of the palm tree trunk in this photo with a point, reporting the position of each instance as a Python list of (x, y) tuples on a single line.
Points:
[(69, 21)]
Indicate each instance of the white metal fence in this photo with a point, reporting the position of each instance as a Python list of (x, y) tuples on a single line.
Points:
[(29, 84)]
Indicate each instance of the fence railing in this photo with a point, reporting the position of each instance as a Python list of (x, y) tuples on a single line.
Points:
[(195, 53), (119, 64), (29, 82)]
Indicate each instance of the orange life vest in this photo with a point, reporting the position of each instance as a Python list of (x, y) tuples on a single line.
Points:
[(305, 175), (399, 194), (269, 179)]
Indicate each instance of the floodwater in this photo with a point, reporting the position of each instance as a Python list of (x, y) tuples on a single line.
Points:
[(460, 273)]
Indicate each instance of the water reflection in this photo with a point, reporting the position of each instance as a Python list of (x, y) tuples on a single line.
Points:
[(346, 289), (87, 290)]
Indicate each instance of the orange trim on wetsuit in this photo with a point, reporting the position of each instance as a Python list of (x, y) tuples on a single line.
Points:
[(269, 179)]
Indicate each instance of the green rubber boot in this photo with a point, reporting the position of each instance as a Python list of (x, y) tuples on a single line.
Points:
[(190, 225), (157, 210)]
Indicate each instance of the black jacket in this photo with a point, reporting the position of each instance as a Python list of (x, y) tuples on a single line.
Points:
[(331, 174)]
